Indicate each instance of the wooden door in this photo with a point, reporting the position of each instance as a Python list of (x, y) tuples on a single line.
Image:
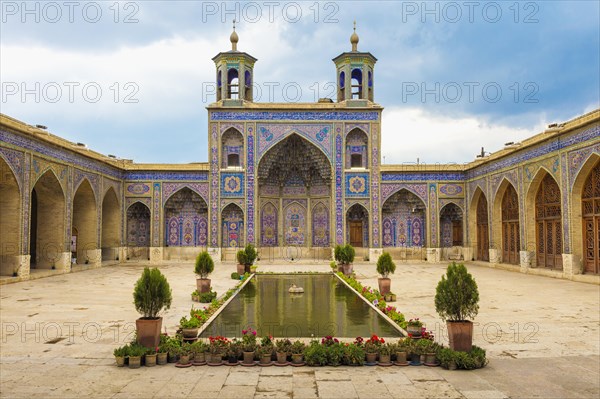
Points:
[(356, 234), (510, 227), (548, 224), (483, 237), (591, 222)]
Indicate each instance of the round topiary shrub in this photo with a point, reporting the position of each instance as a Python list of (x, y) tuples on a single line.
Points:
[(152, 293), (204, 265), (385, 265), (457, 296)]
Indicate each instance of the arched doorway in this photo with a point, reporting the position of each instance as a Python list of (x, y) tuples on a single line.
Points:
[(232, 222), (186, 220), (294, 178), (10, 226), (511, 240), (47, 225), (548, 224), (138, 231), (590, 205), (85, 223), (483, 235), (357, 226), (111, 226), (451, 226), (232, 149), (403, 215)]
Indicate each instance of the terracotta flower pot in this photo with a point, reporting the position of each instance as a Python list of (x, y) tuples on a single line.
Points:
[(265, 359), (203, 285), (297, 358), (120, 361), (150, 360), (135, 362), (415, 331), (460, 335), (162, 358), (371, 357), (384, 285), (148, 331), (241, 269), (189, 332), (385, 359), (248, 357), (281, 357), (401, 357)]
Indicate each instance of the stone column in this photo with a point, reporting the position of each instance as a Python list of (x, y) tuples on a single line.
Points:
[(434, 255), (527, 259), (571, 265), (494, 255)]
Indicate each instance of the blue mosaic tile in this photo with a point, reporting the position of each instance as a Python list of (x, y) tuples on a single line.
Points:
[(192, 176), (294, 115)]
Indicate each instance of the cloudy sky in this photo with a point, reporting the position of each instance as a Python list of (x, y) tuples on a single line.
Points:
[(133, 78)]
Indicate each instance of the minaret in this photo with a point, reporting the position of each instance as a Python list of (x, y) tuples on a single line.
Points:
[(234, 73), (355, 73)]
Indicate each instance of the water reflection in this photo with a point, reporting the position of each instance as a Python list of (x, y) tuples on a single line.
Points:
[(327, 307)]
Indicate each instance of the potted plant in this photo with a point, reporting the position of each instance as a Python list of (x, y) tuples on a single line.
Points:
[(372, 348), (385, 354), (385, 267), (151, 295), (162, 351), (185, 354), (172, 346), (249, 345), (217, 347), (198, 352), (250, 257), (150, 357), (297, 349), (334, 351), (203, 267), (457, 301), (354, 355), (402, 351), (345, 256), (265, 351), (189, 327), (282, 349), (120, 354), (136, 351), (241, 261), (414, 327), (234, 350), (315, 354)]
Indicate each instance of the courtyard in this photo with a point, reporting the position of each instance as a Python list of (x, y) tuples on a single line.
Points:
[(542, 337)]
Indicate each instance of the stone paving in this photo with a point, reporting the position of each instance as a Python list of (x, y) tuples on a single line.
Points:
[(542, 336)]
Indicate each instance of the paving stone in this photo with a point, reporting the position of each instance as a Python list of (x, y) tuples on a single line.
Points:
[(274, 383), (237, 392), (335, 389), (242, 378)]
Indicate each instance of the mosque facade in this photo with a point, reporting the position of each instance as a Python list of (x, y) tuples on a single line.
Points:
[(296, 179)]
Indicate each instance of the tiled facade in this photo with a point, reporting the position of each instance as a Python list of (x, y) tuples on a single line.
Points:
[(310, 206)]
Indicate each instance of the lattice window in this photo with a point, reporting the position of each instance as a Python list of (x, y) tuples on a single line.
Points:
[(548, 199), (482, 213), (591, 193), (510, 205)]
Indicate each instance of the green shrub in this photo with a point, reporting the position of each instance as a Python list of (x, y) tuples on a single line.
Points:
[(207, 297), (385, 265), (298, 347), (235, 276), (204, 265), (354, 355), (152, 293), (241, 257), (123, 351), (251, 254), (335, 354), (344, 254), (192, 322), (457, 297), (464, 360), (315, 354)]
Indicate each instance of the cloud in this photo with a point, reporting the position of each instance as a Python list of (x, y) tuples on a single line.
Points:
[(411, 133)]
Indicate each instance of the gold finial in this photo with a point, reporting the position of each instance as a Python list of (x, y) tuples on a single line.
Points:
[(234, 38), (354, 39)]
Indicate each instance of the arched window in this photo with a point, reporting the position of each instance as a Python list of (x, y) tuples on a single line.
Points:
[(248, 86), (357, 83), (341, 86), (548, 224), (232, 84)]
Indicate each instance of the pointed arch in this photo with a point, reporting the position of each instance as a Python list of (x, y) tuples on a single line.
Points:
[(451, 225), (585, 218), (269, 224), (357, 226), (111, 225), (320, 225), (85, 222), (543, 220), (357, 149), (47, 223), (478, 225), (232, 148), (232, 226), (404, 219), (505, 222), (10, 218), (138, 225), (186, 219)]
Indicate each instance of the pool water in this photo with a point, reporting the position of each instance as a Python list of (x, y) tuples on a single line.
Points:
[(327, 307)]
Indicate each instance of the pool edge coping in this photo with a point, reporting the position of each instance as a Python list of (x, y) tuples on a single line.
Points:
[(386, 317)]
